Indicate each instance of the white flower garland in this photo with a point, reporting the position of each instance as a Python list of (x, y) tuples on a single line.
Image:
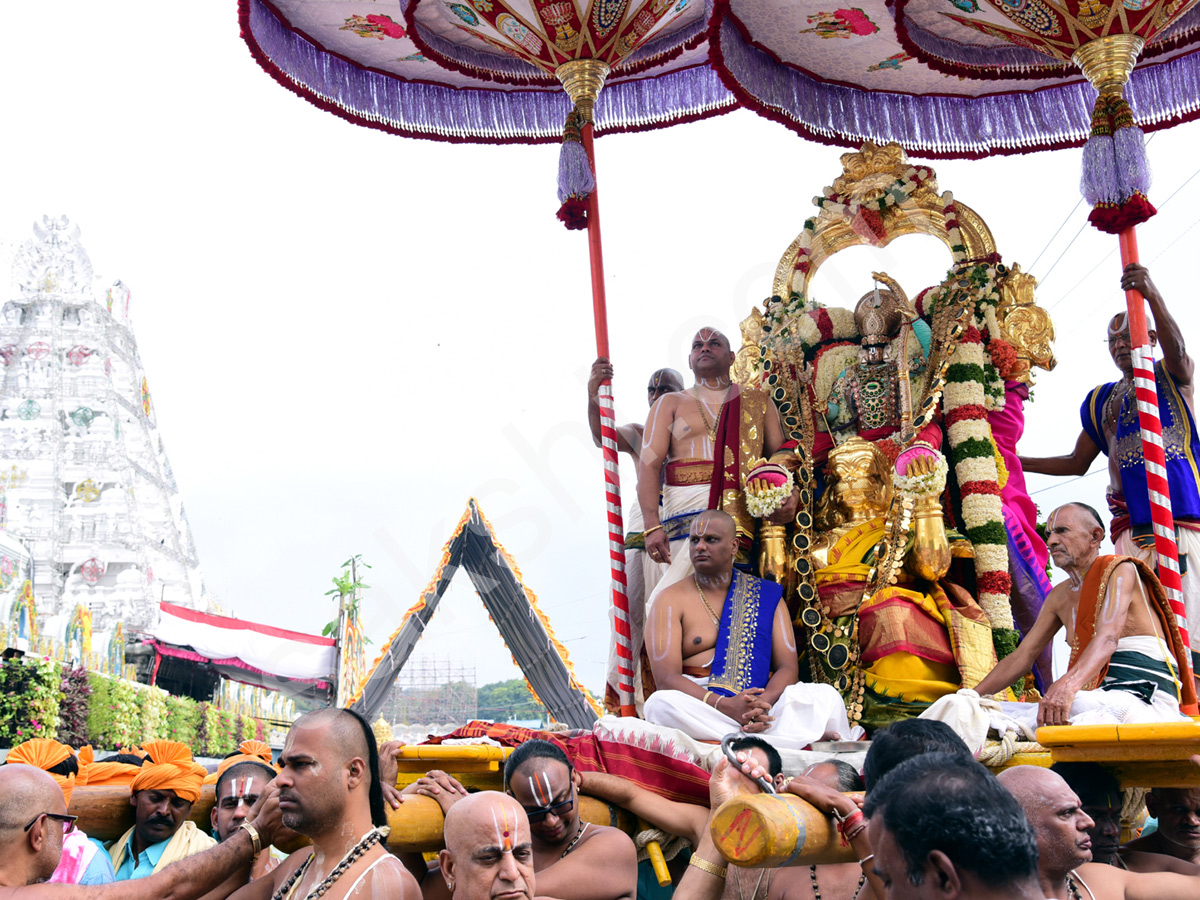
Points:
[(767, 501)]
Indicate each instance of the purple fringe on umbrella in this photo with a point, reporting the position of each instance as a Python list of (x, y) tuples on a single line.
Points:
[(1098, 180), (1012, 56), (976, 56), (439, 111), (575, 177), (1132, 167), (942, 125)]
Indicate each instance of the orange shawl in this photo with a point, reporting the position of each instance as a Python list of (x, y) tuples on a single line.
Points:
[(1091, 597)]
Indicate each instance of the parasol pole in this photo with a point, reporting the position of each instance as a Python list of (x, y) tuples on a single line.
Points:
[(1152, 446), (583, 80), (1118, 185)]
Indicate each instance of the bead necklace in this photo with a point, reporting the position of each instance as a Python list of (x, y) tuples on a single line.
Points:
[(1075, 895), (371, 837), (711, 426), (812, 871), (575, 840), (712, 612)]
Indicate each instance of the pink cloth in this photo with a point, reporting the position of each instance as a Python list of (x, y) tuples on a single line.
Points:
[(77, 853), (1008, 425)]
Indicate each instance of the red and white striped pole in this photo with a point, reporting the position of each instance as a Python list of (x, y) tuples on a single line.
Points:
[(608, 440), (1152, 445)]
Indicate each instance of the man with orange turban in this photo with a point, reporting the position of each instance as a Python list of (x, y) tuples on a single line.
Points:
[(162, 794), (247, 751), (118, 769), (241, 778), (83, 861)]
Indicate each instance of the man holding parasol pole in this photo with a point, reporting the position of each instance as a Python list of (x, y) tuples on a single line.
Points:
[(1110, 425)]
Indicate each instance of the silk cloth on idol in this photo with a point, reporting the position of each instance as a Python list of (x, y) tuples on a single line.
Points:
[(919, 640)]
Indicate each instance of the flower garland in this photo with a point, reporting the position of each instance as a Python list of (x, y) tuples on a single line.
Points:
[(894, 194), (865, 215), (973, 454), (766, 500)]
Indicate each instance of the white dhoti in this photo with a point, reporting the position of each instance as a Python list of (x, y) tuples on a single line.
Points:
[(1114, 706), (1188, 542), (681, 504), (804, 713)]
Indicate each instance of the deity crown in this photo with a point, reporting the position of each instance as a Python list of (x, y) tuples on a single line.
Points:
[(877, 316)]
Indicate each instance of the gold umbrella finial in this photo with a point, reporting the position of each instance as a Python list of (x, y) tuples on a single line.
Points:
[(1108, 61), (583, 80)]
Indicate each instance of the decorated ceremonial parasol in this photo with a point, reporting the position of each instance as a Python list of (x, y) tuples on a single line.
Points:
[(943, 78), (496, 71)]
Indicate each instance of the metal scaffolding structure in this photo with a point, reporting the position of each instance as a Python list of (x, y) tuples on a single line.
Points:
[(432, 690)]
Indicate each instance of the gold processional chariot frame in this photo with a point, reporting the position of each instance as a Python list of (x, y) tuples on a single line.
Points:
[(867, 174), (870, 170)]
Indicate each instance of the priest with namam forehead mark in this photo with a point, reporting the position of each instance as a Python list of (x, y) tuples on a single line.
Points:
[(724, 654)]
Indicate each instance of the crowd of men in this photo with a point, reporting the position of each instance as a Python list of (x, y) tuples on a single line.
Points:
[(934, 823)]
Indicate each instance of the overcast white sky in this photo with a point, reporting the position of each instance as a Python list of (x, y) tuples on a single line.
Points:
[(347, 334)]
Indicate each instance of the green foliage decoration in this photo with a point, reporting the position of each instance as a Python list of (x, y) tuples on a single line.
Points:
[(29, 699), (73, 707), (114, 715), (183, 717), (153, 702)]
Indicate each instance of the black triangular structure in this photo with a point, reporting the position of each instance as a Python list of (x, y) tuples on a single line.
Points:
[(512, 606)]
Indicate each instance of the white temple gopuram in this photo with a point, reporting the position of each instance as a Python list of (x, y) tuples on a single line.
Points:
[(89, 510)]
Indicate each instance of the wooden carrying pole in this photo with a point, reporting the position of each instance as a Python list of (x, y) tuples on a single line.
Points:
[(765, 831), (583, 80)]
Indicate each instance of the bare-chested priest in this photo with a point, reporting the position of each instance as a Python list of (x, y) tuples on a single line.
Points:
[(716, 419), (1127, 653), (724, 654)]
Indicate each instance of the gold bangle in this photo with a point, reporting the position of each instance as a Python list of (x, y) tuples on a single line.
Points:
[(707, 694), (650, 531), (254, 837), (705, 866)]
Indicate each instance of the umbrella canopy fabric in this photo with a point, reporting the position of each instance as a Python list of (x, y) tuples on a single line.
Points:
[(481, 70), (943, 78), (933, 75)]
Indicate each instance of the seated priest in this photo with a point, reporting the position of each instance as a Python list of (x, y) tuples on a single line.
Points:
[(723, 653), (1128, 663)]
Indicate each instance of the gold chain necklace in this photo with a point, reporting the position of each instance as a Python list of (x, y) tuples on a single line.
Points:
[(712, 427), (712, 612)]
